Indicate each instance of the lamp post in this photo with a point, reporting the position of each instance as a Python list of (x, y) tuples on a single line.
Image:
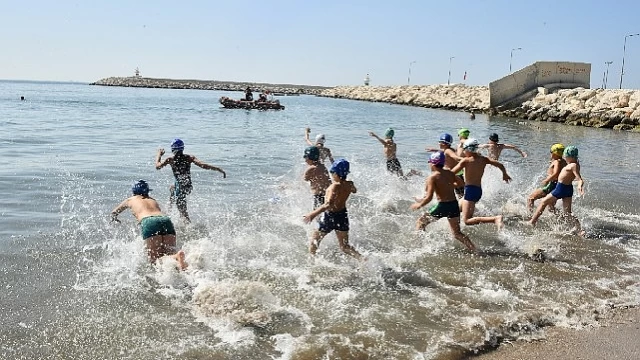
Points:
[(449, 78), (606, 74), (511, 58), (409, 77), (624, 48)]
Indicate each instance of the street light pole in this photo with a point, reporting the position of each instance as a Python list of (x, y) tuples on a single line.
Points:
[(624, 48), (606, 74), (409, 77), (511, 58), (449, 78)]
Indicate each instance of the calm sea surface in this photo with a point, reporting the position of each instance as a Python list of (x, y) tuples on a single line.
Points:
[(74, 286)]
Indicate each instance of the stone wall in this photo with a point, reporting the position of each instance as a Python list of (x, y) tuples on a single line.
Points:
[(134, 81)]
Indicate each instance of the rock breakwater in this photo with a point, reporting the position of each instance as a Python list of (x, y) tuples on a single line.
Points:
[(136, 81), (614, 109)]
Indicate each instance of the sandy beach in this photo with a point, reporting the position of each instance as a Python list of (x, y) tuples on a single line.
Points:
[(617, 338)]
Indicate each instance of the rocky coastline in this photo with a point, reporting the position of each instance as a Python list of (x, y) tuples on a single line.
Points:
[(137, 81), (600, 108)]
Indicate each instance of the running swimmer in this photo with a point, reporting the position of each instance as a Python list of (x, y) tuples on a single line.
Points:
[(390, 147), (317, 175), (325, 152), (551, 180), (495, 148), (451, 159)]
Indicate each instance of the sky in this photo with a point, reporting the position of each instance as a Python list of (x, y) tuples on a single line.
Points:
[(315, 42)]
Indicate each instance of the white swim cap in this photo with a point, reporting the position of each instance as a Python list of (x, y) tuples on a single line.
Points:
[(320, 139)]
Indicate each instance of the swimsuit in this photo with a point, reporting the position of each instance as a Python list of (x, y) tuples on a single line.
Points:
[(393, 166), (318, 200), (334, 221), (472, 193), (450, 209), (156, 225), (562, 191), (549, 187), (181, 168)]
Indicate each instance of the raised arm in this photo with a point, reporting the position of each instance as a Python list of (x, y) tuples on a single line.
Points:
[(159, 163), (306, 136), (513, 147), (371, 133), (428, 196), (120, 208), (207, 166), (499, 165)]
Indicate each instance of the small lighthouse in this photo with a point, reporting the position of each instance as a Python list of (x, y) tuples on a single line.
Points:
[(366, 80), (137, 72)]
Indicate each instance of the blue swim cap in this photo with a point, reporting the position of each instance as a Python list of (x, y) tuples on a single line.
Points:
[(312, 153), (340, 167), (446, 138), (437, 159), (177, 144), (389, 133), (571, 151), (141, 188)]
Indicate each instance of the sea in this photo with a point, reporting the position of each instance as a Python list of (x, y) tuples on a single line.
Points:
[(73, 285)]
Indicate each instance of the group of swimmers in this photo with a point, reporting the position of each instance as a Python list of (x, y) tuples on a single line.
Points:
[(455, 180)]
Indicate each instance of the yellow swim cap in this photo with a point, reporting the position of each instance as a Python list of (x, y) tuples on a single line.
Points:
[(557, 149)]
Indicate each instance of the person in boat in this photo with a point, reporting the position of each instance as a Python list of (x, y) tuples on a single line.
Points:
[(262, 98), (248, 95)]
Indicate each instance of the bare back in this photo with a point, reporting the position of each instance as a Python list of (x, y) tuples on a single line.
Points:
[(444, 183), (494, 150), (142, 206), (389, 149), (338, 193), (318, 178), (450, 159), (474, 169)]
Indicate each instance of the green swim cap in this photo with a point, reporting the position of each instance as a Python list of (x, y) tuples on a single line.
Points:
[(389, 133), (464, 132), (571, 151)]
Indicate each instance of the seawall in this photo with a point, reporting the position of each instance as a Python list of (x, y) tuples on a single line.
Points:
[(614, 109), (136, 81)]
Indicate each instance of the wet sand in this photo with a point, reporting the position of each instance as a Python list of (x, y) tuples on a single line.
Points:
[(617, 338)]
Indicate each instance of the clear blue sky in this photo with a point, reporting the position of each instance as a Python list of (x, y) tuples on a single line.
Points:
[(313, 42)]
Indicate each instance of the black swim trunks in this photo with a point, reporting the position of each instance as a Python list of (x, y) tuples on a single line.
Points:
[(318, 200), (334, 221), (394, 167)]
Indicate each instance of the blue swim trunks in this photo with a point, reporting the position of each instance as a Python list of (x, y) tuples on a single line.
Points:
[(334, 221), (562, 191), (450, 209), (156, 225), (472, 193)]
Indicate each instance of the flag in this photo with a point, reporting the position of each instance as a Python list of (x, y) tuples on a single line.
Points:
[(465, 76)]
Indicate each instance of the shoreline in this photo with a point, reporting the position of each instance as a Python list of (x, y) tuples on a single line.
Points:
[(137, 81), (614, 338), (600, 108)]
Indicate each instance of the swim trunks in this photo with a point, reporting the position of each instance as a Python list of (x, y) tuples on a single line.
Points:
[(472, 193), (562, 191), (460, 191), (156, 225), (549, 187), (450, 209), (393, 166), (318, 200), (334, 221)]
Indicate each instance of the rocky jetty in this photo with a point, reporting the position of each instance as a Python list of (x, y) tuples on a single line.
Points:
[(137, 81), (615, 109)]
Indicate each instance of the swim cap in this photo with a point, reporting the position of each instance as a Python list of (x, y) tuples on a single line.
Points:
[(557, 149), (437, 159), (177, 144), (312, 153), (471, 145), (141, 188), (446, 138), (389, 133), (341, 168), (320, 139), (571, 151), (464, 132), (493, 137)]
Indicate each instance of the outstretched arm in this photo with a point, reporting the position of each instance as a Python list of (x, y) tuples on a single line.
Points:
[(456, 169), (207, 166), (513, 147), (427, 197), (371, 133), (499, 165), (306, 136), (159, 163), (120, 208)]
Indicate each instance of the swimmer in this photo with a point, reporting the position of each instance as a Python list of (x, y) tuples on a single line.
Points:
[(390, 147), (325, 152), (551, 180), (451, 159), (495, 148), (317, 175)]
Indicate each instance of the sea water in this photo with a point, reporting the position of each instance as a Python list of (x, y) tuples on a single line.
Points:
[(74, 285)]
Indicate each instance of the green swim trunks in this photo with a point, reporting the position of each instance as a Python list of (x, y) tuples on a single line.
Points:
[(450, 209), (549, 187), (156, 225)]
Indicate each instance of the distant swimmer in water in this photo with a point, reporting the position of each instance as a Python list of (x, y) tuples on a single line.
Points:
[(472, 116), (325, 152), (22, 98), (551, 180), (157, 229), (564, 189), (389, 149), (181, 167), (317, 175), (334, 211), (495, 148), (451, 159), (474, 165), (442, 182)]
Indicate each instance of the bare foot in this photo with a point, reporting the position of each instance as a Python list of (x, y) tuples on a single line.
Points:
[(179, 257), (499, 223)]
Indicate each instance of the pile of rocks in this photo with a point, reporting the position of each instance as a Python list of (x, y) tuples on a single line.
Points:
[(136, 81)]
